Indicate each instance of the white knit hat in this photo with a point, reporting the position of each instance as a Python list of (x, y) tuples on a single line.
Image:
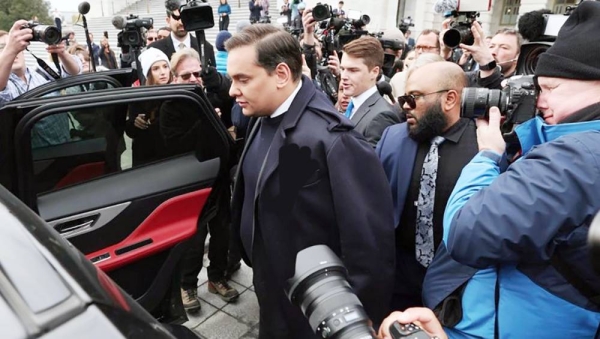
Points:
[(149, 57)]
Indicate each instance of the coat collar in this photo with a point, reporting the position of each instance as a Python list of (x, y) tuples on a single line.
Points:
[(363, 109)]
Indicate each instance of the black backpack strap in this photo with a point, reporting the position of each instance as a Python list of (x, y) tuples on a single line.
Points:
[(583, 287)]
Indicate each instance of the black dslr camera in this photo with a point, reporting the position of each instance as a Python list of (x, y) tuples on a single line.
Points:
[(321, 289), (460, 30), (50, 35), (517, 101), (321, 12)]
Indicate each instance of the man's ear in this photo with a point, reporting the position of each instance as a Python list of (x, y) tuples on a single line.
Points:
[(452, 100), (284, 74), (374, 72)]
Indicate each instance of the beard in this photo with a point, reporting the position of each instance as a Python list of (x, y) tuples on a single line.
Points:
[(431, 124)]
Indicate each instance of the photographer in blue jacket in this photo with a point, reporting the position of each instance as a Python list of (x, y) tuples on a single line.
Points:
[(529, 220)]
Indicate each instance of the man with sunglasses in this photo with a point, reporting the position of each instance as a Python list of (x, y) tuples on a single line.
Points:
[(423, 158), (179, 37)]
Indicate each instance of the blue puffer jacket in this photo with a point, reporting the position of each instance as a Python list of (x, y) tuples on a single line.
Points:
[(517, 220), (221, 58)]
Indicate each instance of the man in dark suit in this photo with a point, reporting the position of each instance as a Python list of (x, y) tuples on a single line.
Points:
[(422, 159), (305, 178), (179, 37), (360, 66)]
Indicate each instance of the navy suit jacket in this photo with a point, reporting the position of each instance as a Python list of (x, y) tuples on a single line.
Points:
[(397, 152), (344, 204)]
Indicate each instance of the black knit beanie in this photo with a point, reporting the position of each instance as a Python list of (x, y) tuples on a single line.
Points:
[(574, 54)]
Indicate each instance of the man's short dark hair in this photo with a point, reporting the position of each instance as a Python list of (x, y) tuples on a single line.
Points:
[(273, 46), (341, 2), (367, 48), (172, 5)]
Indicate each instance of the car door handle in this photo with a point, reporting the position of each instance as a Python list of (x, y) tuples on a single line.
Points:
[(72, 227)]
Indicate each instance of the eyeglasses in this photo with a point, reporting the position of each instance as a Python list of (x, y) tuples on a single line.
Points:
[(187, 76), (152, 39), (175, 17), (410, 99), (426, 48)]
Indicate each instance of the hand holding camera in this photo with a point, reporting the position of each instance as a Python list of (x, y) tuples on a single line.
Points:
[(18, 38), (417, 322)]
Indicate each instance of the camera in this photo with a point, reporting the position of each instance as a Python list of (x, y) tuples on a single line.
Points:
[(460, 30), (130, 34), (321, 289), (517, 101), (196, 15), (321, 12), (265, 19), (405, 24), (50, 35)]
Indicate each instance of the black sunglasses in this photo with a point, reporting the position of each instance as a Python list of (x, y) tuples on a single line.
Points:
[(152, 39), (175, 17), (187, 76), (410, 99)]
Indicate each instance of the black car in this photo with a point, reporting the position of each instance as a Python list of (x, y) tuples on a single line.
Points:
[(50, 290), (64, 154)]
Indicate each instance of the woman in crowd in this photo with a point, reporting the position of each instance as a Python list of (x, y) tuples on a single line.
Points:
[(143, 118), (224, 12), (107, 56)]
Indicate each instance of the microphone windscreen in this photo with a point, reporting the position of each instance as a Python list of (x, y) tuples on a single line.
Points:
[(84, 8), (119, 22), (532, 24), (442, 6)]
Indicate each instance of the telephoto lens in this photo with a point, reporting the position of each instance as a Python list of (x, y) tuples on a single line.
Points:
[(476, 102), (321, 289)]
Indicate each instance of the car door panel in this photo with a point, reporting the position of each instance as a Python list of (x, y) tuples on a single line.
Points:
[(131, 222)]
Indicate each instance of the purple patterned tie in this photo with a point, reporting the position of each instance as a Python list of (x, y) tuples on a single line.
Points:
[(424, 230)]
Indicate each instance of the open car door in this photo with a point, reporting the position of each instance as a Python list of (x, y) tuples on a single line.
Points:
[(70, 160)]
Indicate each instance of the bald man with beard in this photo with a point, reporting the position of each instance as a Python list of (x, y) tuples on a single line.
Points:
[(423, 159)]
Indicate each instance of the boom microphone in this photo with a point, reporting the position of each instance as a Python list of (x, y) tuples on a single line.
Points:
[(532, 24), (119, 22), (84, 8), (385, 88), (442, 6)]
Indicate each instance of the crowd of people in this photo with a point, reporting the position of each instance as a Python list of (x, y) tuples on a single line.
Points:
[(436, 222)]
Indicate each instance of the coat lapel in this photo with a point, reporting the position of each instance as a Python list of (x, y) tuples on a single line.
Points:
[(289, 121), (365, 108)]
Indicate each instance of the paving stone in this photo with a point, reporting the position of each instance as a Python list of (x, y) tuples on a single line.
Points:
[(222, 326), (245, 308), (243, 276), (214, 299), (196, 318)]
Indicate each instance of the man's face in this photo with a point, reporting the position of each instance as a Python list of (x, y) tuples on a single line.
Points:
[(174, 22), (427, 43), (85, 62), (151, 36), (356, 76), (188, 72), (19, 62), (428, 118), (410, 58), (251, 86), (163, 33), (559, 98), (343, 100), (504, 48)]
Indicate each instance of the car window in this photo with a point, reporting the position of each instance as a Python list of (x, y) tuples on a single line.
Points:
[(80, 88), (77, 145)]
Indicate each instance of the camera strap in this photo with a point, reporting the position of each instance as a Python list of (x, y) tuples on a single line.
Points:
[(47, 68)]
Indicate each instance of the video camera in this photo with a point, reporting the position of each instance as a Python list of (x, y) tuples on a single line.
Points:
[(405, 24), (321, 289), (196, 15), (131, 35), (516, 102), (50, 35), (465, 15)]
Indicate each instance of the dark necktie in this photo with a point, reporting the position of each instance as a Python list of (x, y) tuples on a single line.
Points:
[(424, 231)]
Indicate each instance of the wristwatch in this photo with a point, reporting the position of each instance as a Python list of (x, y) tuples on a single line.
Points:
[(489, 66)]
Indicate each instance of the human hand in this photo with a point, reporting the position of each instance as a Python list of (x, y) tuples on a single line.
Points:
[(140, 122), (309, 23), (479, 50), (489, 136), (218, 111), (18, 38), (334, 63), (445, 51), (420, 316), (60, 48), (305, 68)]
